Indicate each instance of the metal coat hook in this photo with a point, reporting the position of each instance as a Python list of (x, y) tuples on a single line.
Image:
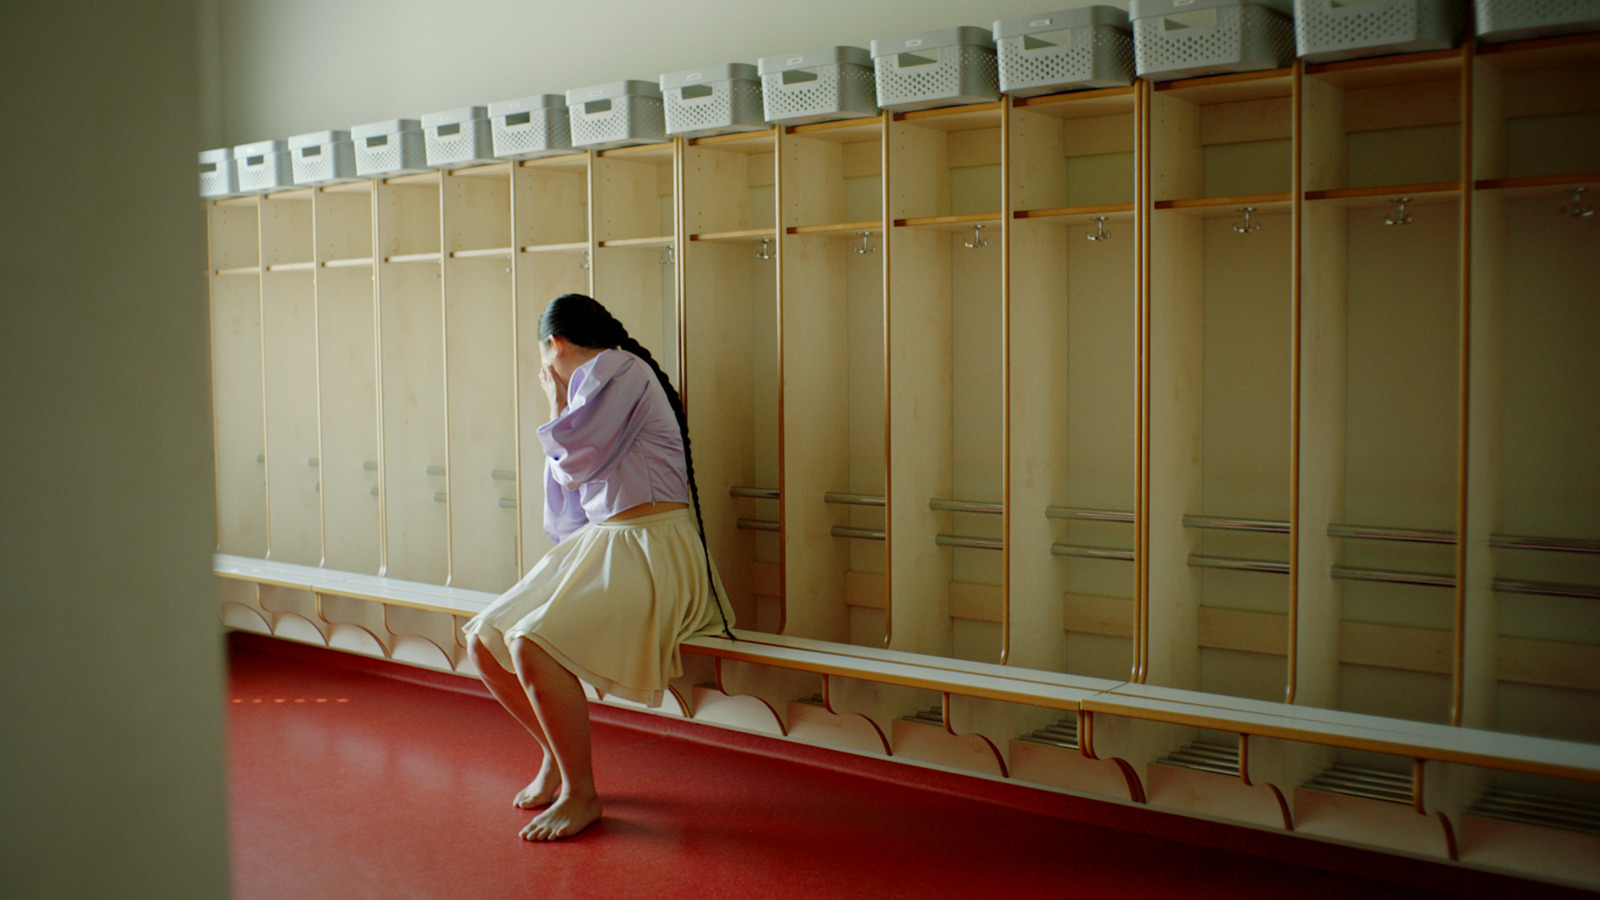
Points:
[(1100, 232), (667, 258), (585, 263), (764, 253), (1578, 209), (865, 247), (977, 238), (1246, 226), (1400, 216)]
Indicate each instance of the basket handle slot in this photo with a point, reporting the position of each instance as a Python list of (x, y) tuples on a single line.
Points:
[(451, 130), (1341, 4), (595, 107), (313, 150), (207, 167), (1045, 39), (521, 118), (695, 91), (378, 140), (912, 60), (1199, 18), (255, 160), (799, 76)]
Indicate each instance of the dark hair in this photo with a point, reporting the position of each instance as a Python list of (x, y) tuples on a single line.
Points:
[(583, 321)]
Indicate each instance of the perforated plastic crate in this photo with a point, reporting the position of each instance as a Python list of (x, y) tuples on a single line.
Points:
[(531, 126), (713, 100), (1190, 38), (263, 166), (1516, 20), (322, 157), (218, 178), (391, 147), (1340, 29), (616, 115), (458, 137), (818, 85), (936, 68), (1088, 47)]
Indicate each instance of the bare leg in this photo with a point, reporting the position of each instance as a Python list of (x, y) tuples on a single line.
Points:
[(563, 710), (505, 688)]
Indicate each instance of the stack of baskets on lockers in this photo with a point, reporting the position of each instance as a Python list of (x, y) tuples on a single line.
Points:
[(1516, 20), (617, 114), (1326, 30), (390, 147), (530, 127), (721, 99), (457, 137), (949, 67), (322, 157), (818, 86), (1072, 49), (1190, 38)]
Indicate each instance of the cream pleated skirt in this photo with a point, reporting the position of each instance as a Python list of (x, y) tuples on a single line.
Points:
[(611, 603)]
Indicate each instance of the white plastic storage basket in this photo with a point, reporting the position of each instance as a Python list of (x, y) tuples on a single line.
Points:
[(458, 137), (714, 100), (322, 157), (616, 115), (263, 166), (531, 126), (1516, 20), (391, 147), (1088, 47), (218, 178), (1189, 38), (818, 85), (936, 68), (1327, 30)]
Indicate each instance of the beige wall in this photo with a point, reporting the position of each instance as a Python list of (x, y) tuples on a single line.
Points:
[(111, 759), (296, 66)]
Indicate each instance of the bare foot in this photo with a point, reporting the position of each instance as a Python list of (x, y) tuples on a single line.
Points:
[(542, 790), (565, 818)]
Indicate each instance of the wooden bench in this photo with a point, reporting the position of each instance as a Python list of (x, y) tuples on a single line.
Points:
[(1109, 713)]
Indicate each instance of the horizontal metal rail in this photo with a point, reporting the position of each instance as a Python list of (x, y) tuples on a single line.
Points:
[(1384, 533), (1238, 565), (968, 542), (1387, 576), (1530, 542), (757, 524), (853, 499), (1077, 551), (865, 534), (1225, 523), (759, 493), (1088, 515), (970, 506)]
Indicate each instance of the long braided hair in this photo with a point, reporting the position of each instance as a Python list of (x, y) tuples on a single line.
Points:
[(583, 321)]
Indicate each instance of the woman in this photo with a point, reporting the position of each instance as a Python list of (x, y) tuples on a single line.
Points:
[(629, 577)]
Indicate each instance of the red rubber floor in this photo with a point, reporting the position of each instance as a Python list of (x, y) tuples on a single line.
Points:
[(346, 782)]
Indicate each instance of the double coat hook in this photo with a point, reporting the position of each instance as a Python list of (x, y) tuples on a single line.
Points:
[(1399, 216), (764, 253), (977, 238), (864, 247), (1100, 232), (1246, 226), (1578, 209)]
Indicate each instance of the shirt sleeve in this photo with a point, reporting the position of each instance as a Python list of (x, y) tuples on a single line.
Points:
[(585, 442), (563, 508)]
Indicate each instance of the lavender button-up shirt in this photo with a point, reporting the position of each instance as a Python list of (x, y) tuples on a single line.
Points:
[(615, 446)]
